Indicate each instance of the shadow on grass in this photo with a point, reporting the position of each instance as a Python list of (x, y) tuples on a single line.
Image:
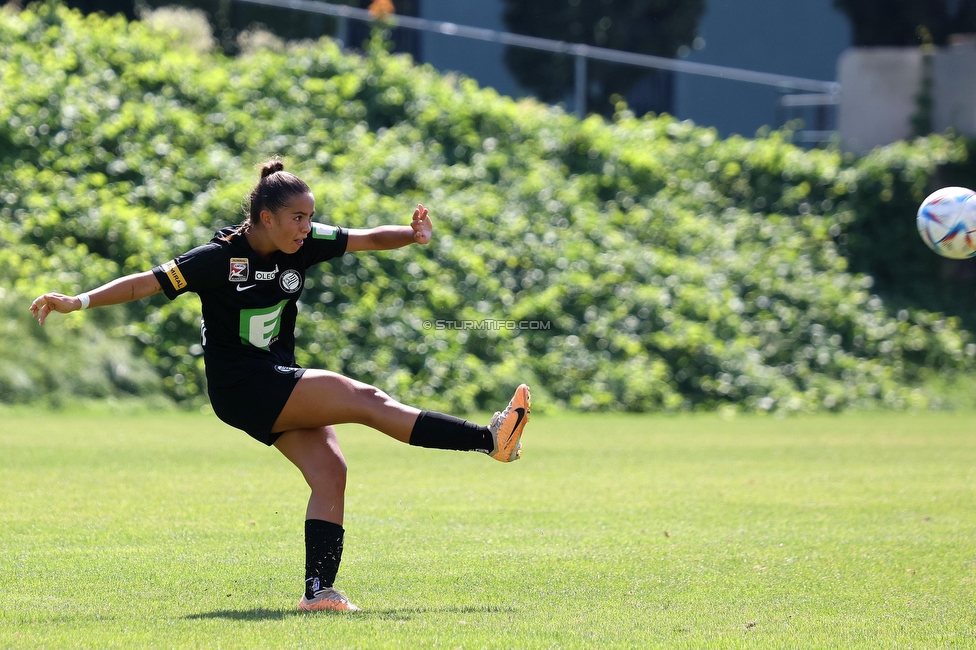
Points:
[(393, 614), (259, 614)]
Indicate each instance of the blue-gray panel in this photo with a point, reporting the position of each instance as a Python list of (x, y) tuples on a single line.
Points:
[(479, 60), (803, 38)]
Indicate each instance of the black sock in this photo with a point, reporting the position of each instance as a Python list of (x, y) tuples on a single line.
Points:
[(440, 431), (323, 552)]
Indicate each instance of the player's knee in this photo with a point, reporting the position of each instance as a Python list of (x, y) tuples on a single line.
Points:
[(335, 476), (339, 471), (371, 400), (328, 474)]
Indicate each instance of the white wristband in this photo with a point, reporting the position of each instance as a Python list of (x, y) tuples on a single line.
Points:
[(85, 300)]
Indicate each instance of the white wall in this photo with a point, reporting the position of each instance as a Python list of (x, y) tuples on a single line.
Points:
[(955, 89), (879, 88)]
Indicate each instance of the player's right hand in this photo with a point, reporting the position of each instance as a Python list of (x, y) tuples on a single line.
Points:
[(423, 229), (44, 305)]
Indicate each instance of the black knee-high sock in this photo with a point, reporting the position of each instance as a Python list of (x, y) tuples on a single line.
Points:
[(323, 552), (440, 431)]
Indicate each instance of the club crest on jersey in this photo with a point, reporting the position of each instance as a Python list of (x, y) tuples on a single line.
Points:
[(290, 281), (238, 269)]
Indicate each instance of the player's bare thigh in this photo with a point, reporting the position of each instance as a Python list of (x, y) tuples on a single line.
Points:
[(323, 398)]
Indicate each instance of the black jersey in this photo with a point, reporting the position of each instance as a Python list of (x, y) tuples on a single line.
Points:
[(249, 302)]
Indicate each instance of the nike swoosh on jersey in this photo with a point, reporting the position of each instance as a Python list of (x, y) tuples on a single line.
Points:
[(243, 288)]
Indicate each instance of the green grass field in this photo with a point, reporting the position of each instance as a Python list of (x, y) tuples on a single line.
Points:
[(176, 531)]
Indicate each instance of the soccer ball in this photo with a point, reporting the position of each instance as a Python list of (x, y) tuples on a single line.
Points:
[(947, 222)]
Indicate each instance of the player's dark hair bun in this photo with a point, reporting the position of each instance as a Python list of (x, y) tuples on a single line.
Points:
[(273, 191), (272, 166)]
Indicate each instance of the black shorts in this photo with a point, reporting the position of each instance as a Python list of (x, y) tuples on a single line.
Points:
[(249, 394)]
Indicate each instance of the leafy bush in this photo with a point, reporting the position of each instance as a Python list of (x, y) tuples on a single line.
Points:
[(75, 360), (671, 270), (882, 241)]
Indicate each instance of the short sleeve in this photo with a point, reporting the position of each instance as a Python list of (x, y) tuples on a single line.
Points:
[(194, 270), (324, 243)]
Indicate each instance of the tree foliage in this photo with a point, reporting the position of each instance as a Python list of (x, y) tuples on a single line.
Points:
[(673, 270), (904, 22), (657, 27), (227, 19)]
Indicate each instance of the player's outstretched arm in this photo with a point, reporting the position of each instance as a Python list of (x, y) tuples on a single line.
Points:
[(131, 287), (384, 238)]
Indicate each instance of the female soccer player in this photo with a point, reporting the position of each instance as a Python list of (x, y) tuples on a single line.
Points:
[(249, 278)]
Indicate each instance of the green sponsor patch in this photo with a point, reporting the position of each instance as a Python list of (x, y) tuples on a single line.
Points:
[(322, 231), (260, 326)]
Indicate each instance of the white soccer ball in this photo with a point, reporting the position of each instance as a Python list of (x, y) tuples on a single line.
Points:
[(947, 222)]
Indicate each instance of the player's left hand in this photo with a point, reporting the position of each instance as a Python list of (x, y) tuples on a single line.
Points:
[(423, 229), (45, 304)]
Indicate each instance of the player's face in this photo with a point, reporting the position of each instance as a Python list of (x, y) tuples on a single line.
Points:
[(294, 222)]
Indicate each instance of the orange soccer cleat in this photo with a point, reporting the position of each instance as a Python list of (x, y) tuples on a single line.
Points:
[(506, 427), (327, 599)]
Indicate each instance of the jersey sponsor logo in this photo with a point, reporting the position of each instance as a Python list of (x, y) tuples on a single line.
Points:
[(238, 269), (322, 231), (174, 274), (266, 275), (290, 281), (286, 370), (260, 327), (242, 287)]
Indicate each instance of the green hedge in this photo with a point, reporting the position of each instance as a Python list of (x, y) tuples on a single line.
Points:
[(675, 270), (73, 361)]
